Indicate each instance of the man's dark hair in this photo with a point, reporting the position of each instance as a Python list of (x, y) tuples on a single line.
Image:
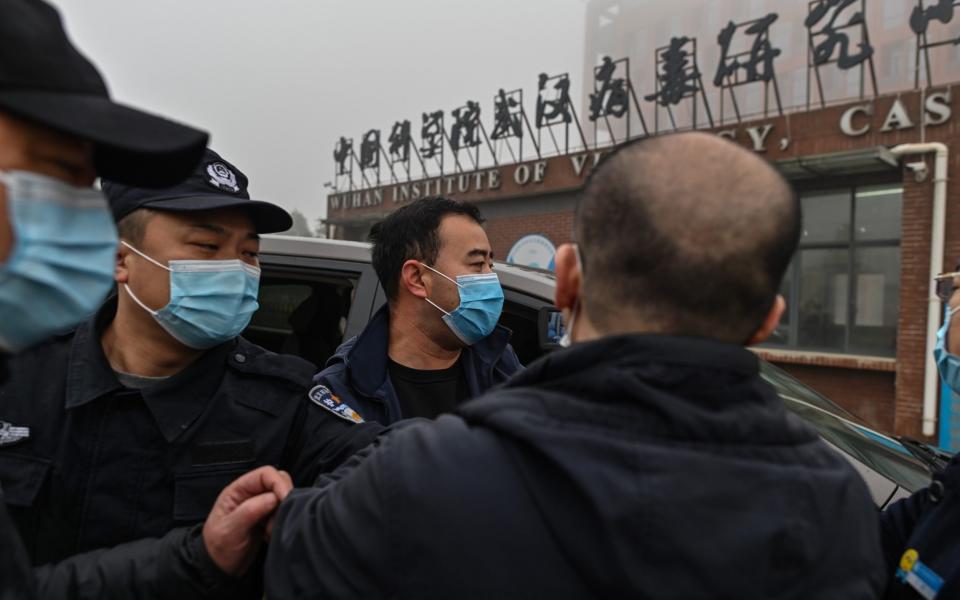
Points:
[(411, 232), (689, 234), (133, 226)]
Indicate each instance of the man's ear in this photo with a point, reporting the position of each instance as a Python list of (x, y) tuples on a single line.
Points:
[(411, 279), (770, 322), (124, 256), (569, 278)]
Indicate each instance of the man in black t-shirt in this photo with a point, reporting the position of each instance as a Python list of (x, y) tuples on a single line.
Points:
[(437, 343), (428, 393)]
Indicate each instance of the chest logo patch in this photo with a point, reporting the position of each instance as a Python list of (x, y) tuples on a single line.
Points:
[(10, 434), (324, 398)]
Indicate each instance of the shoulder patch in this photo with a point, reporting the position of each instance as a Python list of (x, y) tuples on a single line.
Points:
[(247, 357), (324, 398)]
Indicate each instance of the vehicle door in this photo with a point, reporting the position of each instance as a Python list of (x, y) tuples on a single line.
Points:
[(309, 305)]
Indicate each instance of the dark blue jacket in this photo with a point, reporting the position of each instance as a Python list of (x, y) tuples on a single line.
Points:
[(628, 467), (358, 372), (928, 522)]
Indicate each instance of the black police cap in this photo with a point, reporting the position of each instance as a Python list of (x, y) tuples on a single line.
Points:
[(215, 183), (45, 79)]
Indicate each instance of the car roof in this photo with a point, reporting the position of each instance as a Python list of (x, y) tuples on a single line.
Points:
[(537, 282), (315, 247)]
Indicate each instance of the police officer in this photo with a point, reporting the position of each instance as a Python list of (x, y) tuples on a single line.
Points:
[(140, 416), (920, 539), (436, 343), (58, 130)]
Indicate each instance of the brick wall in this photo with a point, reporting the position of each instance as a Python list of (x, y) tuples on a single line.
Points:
[(504, 233), (914, 288)]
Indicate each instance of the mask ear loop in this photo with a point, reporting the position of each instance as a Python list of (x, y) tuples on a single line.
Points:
[(567, 338), (951, 313), (126, 287), (431, 302), (453, 281), (162, 266)]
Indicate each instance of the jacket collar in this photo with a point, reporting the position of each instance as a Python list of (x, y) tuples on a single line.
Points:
[(653, 385), (366, 360), (639, 350), (174, 403)]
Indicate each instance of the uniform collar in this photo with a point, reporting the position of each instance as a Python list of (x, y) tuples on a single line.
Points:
[(174, 403), (89, 375)]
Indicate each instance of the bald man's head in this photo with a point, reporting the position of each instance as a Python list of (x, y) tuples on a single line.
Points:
[(688, 234)]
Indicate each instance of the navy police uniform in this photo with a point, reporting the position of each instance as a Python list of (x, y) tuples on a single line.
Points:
[(358, 372), (920, 540), (97, 458), (104, 464)]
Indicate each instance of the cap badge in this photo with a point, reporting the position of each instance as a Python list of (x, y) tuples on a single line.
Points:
[(222, 178)]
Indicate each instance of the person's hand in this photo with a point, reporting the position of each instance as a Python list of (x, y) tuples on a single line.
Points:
[(237, 524)]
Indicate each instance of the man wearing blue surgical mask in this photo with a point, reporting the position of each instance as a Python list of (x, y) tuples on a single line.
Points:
[(156, 402), (437, 343)]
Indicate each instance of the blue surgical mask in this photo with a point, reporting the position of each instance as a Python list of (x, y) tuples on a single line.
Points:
[(62, 263), (211, 301), (948, 364), (481, 302)]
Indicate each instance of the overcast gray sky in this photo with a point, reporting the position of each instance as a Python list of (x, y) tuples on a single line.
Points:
[(278, 81)]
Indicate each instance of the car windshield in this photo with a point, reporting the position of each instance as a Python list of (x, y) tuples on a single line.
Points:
[(882, 453)]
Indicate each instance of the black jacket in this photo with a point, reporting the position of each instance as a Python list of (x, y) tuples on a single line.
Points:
[(105, 465), (358, 374), (633, 466), (176, 566), (927, 523)]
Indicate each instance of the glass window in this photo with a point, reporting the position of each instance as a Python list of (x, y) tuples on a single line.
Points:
[(781, 335), (877, 288), (301, 315), (878, 213), (843, 286), (823, 298), (826, 217)]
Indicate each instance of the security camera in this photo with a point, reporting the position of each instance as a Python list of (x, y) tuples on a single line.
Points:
[(920, 170)]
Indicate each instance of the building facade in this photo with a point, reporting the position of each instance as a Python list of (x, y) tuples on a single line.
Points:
[(858, 289)]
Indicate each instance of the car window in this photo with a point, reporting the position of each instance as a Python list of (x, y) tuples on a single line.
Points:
[(522, 321), (520, 315), (304, 314), (884, 454)]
